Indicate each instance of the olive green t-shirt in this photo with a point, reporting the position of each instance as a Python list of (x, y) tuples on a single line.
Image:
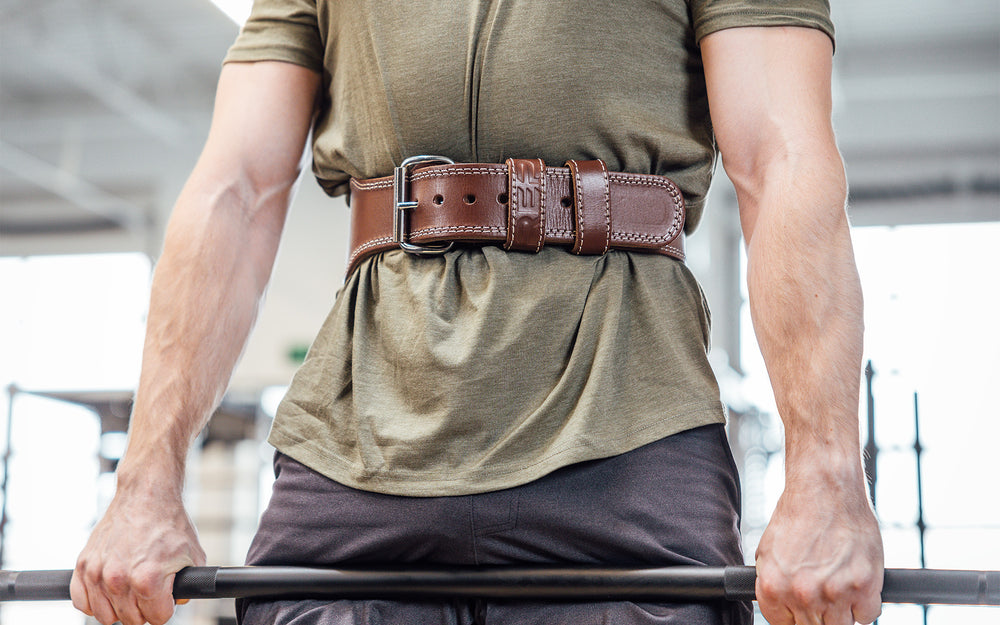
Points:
[(482, 369)]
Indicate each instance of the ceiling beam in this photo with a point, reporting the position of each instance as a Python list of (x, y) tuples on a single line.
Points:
[(116, 96), (72, 188)]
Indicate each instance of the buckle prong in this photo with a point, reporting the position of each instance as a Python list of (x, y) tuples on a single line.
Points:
[(402, 204)]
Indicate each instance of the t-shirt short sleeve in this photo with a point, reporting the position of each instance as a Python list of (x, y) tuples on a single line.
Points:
[(280, 30), (710, 16)]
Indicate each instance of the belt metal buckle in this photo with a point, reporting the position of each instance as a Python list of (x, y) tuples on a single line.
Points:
[(402, 203)]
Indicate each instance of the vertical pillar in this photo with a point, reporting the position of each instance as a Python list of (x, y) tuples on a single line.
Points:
[(11, 391)]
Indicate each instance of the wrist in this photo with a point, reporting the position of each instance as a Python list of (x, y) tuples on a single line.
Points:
[(826, 473), (156, 454), (824, 449), (832, 479), (144, 473)]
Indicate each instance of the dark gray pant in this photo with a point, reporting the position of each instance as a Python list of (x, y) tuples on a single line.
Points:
[(672, 502)]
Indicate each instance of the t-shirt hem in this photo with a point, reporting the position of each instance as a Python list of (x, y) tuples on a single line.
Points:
[(248, 54), (446, 482), (747, 17)]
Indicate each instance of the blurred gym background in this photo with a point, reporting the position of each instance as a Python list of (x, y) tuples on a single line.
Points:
[(104, 105)]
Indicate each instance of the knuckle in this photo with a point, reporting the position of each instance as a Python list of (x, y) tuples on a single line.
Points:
[(768, 589), (770, 585), (805, 594), (116, 580), (90, 573), (147, 582), (832, 589), (851, 588)]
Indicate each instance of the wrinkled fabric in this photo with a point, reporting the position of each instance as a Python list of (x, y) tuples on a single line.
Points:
[(673, 502), (481, 369)]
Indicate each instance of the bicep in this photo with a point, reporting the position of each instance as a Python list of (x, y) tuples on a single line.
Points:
[(263, 113), (764, 82), (769, 95)]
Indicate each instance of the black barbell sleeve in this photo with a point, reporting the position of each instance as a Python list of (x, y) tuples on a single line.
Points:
[(671, 584)]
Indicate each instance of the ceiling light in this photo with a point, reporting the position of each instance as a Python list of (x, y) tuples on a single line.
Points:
[(236, 10)]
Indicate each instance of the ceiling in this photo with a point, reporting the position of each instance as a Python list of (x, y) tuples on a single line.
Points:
[(918, 119), (104, 105)]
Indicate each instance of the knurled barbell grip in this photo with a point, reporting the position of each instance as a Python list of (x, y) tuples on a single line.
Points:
[(921, 586)]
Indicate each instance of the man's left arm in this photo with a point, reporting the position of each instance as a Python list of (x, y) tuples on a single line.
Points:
[(820, 559)]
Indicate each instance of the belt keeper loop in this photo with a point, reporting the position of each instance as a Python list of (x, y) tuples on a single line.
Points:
[(591, 207), (525, 204)]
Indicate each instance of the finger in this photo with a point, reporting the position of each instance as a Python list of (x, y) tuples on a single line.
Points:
[(779, 615), (810, 618), (127, 610), (78, 592), (775, 612), (157, 610), (771, 606), (115, 585), (154, 593), (103, 611), (838, 615), (867, 611), (96, 599)]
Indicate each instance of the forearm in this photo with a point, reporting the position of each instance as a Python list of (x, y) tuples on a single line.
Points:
[(217, 257), (820, 558), (220, 246), (806, 305)]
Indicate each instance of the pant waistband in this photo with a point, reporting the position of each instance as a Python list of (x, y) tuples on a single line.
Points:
[(431, 203)]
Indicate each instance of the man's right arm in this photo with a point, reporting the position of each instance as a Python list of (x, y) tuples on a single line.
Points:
[(218, 253)]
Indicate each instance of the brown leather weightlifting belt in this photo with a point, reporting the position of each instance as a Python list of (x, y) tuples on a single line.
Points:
[(431, 203)]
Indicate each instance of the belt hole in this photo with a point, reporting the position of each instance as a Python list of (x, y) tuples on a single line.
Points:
[(566, 202), (439, 200), (502, 198), (470, 199)]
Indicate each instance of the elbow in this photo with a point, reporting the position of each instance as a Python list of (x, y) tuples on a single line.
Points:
[(249, 195), (242, 182), (804, 183)]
